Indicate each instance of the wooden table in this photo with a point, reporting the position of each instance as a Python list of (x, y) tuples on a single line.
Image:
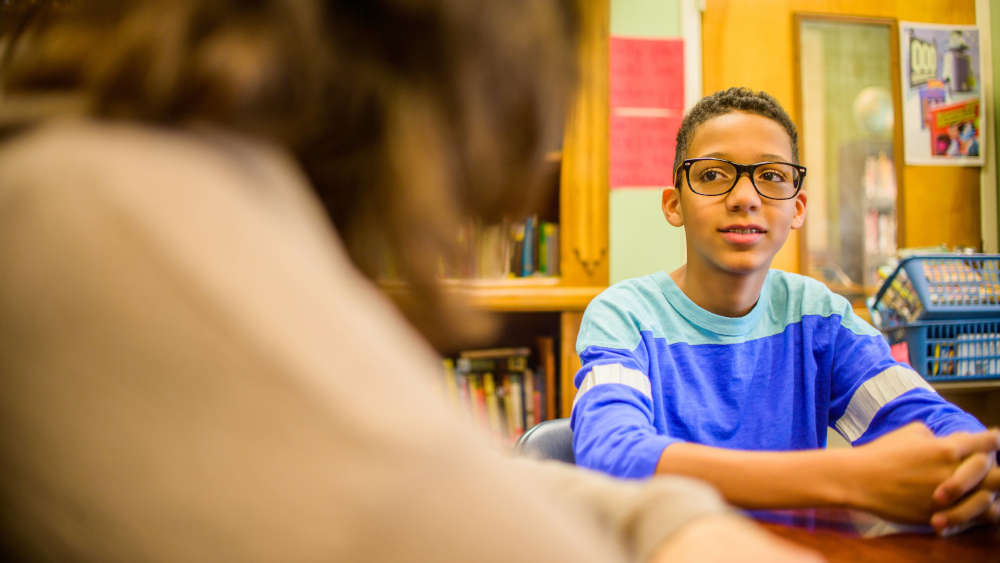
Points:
[(849, 535)]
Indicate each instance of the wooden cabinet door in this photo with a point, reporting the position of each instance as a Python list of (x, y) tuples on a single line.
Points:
[(583, 195)]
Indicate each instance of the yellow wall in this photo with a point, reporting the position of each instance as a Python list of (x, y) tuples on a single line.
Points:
[(750, 43)]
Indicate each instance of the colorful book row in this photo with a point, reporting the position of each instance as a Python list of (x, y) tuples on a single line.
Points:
[(510, 249), (500, 390)]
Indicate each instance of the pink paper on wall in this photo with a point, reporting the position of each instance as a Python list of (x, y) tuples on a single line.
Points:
[(647, 104), (647, 73), (642, 150)]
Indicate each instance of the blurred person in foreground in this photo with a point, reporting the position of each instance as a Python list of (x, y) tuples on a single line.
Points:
[(196, 365)]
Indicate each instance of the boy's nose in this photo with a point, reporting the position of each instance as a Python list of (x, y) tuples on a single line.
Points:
[(743, 195)]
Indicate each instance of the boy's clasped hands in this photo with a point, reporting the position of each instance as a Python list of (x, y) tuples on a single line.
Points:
[(909, 475)]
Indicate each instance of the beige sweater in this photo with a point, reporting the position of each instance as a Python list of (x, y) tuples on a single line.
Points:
[(193, 371)]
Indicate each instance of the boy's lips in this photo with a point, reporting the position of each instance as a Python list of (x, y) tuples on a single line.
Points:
[(742, 234)]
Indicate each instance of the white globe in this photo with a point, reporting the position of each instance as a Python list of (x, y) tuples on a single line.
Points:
[(873, 110)]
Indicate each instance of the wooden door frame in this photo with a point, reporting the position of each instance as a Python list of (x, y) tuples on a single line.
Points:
[(897, 110)]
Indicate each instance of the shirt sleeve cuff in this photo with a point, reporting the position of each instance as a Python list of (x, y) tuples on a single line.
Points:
[(647, 454)]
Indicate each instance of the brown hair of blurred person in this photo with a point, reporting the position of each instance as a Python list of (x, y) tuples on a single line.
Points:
[(403, 137)]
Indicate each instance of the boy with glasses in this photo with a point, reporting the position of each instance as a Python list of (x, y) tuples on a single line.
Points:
[(731, 372)]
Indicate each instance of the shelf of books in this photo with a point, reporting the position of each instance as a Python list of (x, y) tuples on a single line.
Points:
[(526, 372), (506, 390)]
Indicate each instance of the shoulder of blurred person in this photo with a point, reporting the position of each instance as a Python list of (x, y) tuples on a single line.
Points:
[(194, 371)]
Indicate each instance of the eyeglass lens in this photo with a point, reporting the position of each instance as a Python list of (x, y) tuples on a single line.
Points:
[(716, 177)]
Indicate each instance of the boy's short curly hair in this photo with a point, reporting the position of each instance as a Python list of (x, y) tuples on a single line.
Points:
[(726, 101)]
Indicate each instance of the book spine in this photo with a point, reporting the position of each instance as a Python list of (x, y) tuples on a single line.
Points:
[(529, 399), (547, 363), (507, 248), (508, 389), (543, 248), (537, 399), (462, 382), (517, 398), (534, 242), (517, 250), (496, 425), (450, 382), (478, 398), (464, 395), (528, 254), (543, 396)]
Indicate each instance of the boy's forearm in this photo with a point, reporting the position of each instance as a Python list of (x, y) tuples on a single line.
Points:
[(756, 480), (895, 476)]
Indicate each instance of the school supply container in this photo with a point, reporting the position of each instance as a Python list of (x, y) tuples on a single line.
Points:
[(946, 309)]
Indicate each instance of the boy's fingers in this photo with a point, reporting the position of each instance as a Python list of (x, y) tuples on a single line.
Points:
[(969, 474), (975, 505), (994, 512), (965, 444), (992, 480)]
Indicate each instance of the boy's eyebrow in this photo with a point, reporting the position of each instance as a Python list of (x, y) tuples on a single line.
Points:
[(765, 157)]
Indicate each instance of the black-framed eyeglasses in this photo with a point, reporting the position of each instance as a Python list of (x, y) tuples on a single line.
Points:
[(717, 176)]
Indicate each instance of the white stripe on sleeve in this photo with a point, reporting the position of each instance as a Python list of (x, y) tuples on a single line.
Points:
[(614, 373), (873, 395)]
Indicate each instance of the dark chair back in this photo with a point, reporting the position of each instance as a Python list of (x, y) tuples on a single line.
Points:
[(549, 439)]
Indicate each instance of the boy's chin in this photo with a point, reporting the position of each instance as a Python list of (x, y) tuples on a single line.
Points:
[(744, 265)]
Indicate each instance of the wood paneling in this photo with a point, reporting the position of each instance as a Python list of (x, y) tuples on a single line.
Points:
[(583, 195), (570, 327), (942, 205)]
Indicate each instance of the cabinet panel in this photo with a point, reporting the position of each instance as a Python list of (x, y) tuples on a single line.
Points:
[(569, 328), (583, 197)]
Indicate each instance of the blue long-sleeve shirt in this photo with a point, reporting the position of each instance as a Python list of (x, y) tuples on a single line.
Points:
[(659, 369)]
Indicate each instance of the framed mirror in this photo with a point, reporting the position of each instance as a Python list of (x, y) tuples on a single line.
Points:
[(850, 139)]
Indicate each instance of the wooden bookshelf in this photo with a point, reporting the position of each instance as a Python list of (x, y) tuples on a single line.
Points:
[(513, 295), (582, 213), (532, 294), (583, 210)]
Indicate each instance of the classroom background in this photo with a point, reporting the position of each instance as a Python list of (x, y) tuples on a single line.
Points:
[(836, 68)]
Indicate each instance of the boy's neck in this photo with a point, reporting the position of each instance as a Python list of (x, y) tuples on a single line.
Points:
[(729, 295)]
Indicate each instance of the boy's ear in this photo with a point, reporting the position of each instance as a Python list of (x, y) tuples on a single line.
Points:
[(800, 210), (671, 205)]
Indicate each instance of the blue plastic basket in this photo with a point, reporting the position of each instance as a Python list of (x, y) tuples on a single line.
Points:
[(938, 287), (965, 350)]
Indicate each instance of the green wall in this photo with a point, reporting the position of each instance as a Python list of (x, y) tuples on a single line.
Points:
[(646, 18), (641, 240)]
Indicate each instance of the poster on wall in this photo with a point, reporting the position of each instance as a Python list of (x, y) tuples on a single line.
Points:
[(942, 94), (646, 95)]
